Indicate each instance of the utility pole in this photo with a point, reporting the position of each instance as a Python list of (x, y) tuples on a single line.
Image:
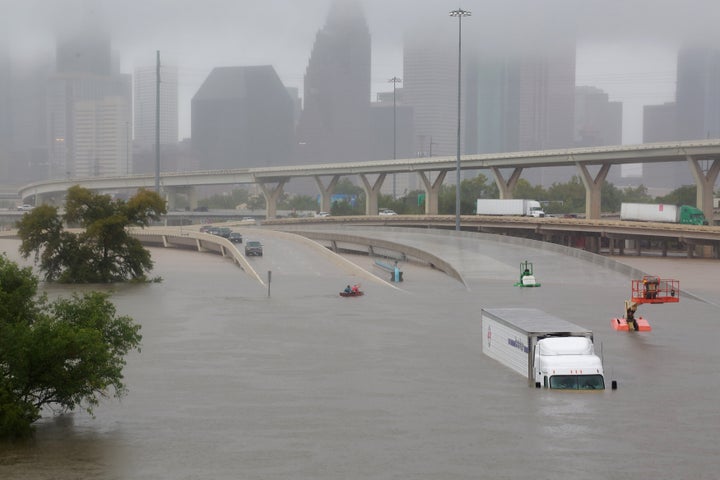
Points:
[(459, 13), (157, 125), (394, 81), (127, 148)]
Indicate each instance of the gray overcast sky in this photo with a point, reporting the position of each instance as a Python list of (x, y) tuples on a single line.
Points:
[(626, 47)]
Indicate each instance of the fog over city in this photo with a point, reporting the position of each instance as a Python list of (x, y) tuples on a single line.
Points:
[(627, 48)]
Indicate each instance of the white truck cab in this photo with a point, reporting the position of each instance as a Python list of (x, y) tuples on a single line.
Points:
[(567, 363)]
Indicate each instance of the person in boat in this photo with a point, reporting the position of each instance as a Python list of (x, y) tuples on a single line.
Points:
[(356, 288), (348, 289)]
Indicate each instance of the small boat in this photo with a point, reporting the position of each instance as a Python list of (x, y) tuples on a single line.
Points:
[(352, 294)]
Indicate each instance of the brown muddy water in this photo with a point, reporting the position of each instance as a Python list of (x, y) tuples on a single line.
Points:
[(303, 384)]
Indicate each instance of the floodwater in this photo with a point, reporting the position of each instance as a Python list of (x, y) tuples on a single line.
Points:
[(234, 384)]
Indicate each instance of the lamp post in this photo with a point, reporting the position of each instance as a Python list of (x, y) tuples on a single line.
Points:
[(127, 148), (395, 81), (459, 13)]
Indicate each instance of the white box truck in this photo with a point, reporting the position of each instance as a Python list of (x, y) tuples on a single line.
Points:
[(549, 351), (509, 206), (660, 212)]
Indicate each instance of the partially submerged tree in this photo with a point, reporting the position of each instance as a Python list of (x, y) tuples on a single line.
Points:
[(103, 251), (63, 355)]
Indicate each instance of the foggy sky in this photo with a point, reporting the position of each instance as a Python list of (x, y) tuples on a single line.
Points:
[(626, 47)]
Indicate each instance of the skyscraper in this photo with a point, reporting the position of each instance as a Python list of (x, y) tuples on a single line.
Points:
[(5, 114), (698, 93), (695, 114), (87, 87), (335, 122), (546, 98), (242, 117), (101, 144), (430, 88), (145, 92), (598, 121), (515, 100)]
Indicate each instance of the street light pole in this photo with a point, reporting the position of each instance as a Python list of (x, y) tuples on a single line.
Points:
[(127, 148), (459, 13), (395, 81)]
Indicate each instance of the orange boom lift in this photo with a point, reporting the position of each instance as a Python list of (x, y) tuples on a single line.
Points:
[(650, 289)]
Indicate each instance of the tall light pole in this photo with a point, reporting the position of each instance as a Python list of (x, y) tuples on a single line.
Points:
[(157, 124), (459, 13), (127, 148), (395, 81)]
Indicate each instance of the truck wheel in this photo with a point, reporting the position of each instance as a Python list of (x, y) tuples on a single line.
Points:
[(537, 384), (613, 384)]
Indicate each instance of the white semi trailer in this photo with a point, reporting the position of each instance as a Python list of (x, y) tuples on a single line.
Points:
[(509, 206), (549, 351), (659, 212)]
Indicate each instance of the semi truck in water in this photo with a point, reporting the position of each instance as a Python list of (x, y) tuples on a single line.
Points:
[(551, 352), (509, 206), (659, 212)]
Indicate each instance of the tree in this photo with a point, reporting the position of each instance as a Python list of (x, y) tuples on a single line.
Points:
[(226, 200), (299, 202), (63, 354), (685, 195), (523, 189), (353, 202), (637, 194), (611, 198), (103, 251), (570, 195), (470, 190)]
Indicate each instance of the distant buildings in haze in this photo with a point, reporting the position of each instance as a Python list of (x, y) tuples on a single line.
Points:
[(89, 105), (334, 124), (145, 82), (242, 117), (82, 117), (695, 114)]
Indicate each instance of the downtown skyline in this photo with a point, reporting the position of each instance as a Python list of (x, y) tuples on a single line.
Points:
[(633, 65)]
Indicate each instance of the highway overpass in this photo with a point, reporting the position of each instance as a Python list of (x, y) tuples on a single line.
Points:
[(593, 165)]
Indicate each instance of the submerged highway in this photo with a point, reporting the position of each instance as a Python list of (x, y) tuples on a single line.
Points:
[(235, 383)]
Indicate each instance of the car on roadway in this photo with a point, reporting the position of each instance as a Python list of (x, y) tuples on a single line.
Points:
[(26, 207), (235, 237), (223, 232), (322, 214), (253, 248), (386, 211)]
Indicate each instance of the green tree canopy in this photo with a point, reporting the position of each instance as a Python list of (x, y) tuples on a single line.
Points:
[(65, 354), (523, 189), (685, 195), (637, 194), (298, 202), (103, 251)]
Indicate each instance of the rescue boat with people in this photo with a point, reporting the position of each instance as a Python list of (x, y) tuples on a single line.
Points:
[(352, 294), (353, 291)]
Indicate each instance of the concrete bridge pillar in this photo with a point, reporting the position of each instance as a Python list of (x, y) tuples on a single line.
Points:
[(326, 192), (432, 191), (593, 188), (705, 179), (171, 195), (371, 193), (271, 194), (506, 187), (192, 198)]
